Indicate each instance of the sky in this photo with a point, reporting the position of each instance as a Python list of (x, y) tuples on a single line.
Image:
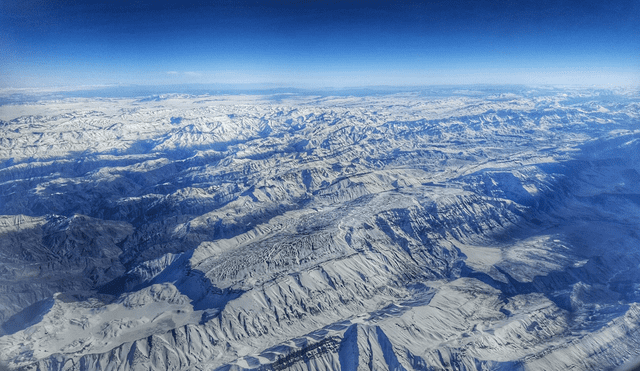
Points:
[(319, 43)]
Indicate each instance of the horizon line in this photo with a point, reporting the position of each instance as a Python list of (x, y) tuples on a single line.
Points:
[(297, 87)]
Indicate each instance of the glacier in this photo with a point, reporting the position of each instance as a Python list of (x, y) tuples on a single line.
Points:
[(493, 229)]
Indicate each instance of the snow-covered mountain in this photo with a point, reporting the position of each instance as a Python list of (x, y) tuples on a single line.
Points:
[(460, 230)]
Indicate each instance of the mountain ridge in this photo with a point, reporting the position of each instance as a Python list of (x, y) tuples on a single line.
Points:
[(418, 233)]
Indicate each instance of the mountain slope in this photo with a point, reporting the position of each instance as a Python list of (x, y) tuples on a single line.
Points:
[(389, 232)]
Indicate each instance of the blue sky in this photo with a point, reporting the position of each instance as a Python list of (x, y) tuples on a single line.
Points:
[(319, 43)]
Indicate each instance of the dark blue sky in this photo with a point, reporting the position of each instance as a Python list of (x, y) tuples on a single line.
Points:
[(319, 43)]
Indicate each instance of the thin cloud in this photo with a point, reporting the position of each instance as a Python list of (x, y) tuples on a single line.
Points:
[(172, 72)]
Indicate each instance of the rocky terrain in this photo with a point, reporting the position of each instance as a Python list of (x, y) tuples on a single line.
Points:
[(450, 230)]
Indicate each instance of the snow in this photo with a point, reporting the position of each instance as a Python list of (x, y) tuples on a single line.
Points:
[(396, 232)]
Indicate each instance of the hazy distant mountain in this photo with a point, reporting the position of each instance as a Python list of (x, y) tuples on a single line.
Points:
[(487, 228)]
